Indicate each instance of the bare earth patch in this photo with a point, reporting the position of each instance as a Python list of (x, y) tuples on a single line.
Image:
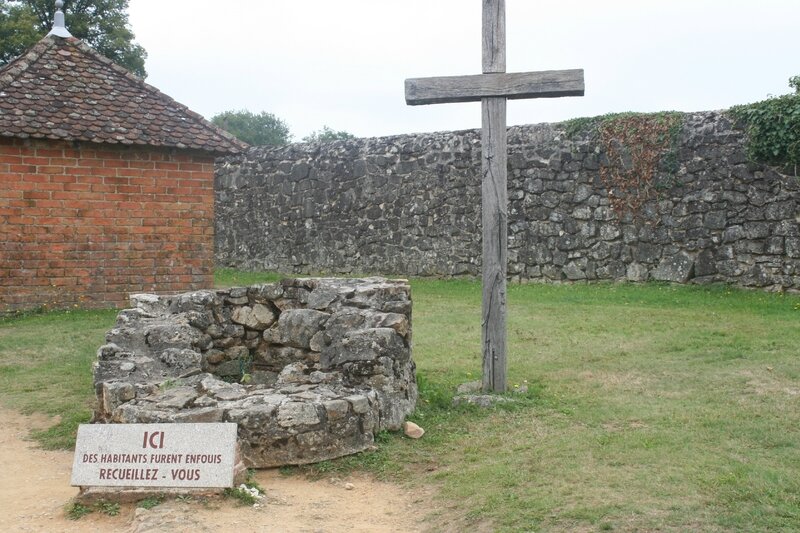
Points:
[(767, 383), (626, 381), (35, 490)]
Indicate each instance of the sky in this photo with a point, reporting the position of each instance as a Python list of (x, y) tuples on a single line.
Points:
[(342, 63)]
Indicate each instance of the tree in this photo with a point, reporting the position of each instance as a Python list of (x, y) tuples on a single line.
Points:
[(258, 130), (328, 134), (102, 24), (794, 82), (17, 31)]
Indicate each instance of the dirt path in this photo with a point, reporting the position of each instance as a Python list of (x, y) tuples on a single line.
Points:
[(34, 489)]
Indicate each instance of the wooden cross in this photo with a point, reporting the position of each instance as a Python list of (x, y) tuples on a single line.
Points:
[(493, 88)]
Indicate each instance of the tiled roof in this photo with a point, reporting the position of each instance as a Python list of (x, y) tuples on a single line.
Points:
[(62, 89)]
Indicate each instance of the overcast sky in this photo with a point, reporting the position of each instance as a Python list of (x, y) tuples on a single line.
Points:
[(342, 63)]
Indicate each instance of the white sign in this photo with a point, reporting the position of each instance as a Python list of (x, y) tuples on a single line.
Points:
[(155, 455)]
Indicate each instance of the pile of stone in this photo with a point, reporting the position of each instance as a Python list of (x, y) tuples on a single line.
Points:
[(309, 369)]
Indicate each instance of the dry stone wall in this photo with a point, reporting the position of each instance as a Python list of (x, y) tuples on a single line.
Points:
[(410, 205), (309, 369)]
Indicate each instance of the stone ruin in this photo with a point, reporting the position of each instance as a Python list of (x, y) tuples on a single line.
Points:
[(309, 369)]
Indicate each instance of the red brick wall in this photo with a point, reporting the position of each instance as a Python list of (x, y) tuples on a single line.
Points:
[(88, 225)]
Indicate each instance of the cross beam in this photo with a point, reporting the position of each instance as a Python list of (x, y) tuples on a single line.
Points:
[(493, 88), (516, 86)]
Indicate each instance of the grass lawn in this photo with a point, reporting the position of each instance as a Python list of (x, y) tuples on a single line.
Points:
[(649, 407)]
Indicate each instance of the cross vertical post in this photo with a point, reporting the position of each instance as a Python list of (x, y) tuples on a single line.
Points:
[(494, 203), (492, 89)]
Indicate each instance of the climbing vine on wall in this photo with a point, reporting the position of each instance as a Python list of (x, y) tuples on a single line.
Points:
[(773, 128), (637, 146)]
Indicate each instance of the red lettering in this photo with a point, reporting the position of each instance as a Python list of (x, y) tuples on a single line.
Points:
[(185, 475), (154, 440)]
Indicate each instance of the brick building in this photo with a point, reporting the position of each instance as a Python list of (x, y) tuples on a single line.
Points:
[(106, 184)]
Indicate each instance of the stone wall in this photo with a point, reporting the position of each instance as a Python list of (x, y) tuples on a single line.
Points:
[(309, 369), (411, 205)]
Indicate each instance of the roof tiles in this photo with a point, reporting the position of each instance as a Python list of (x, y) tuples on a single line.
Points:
[(63, 89)]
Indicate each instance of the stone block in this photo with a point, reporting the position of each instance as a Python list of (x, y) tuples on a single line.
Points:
[(336, 409), (258, 317), (756, 230), (715, 220), (678, 269), (296, 327), (705, 264), (360, 404), (637, 272), (365, 345), (176, 398), (574, 272), (181, 359), (793, 247), (646, 253), (115, 394), (297, 414)]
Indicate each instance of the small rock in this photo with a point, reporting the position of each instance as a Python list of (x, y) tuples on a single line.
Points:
[(468, 388), (214, 357), (252, 491), (349, 486), (127, 367), (481, 400), (412, 430), (191, 372)]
